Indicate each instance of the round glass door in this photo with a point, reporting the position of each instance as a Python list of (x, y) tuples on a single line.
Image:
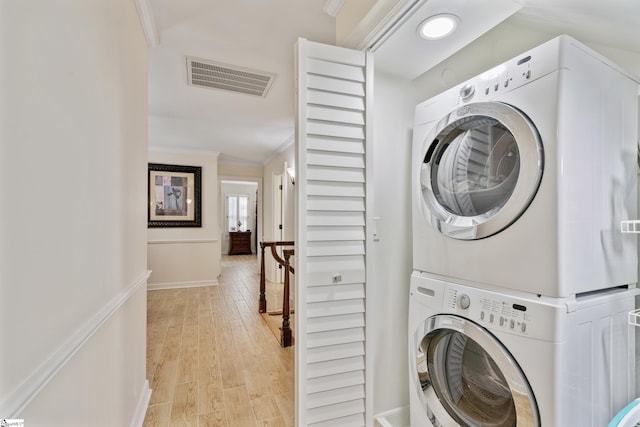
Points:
[(481, 168), (463, 368)]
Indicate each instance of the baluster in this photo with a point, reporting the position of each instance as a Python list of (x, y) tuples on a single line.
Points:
[(285, 331), (262, 303)]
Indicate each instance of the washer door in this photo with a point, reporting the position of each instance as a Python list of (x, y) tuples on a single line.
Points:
[(481, 167), (465, 377)]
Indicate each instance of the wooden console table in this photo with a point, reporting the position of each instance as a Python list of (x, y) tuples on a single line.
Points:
[(240, 242)]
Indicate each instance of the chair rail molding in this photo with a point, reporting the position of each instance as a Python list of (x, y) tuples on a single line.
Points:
[(179, 241), (20, 397)]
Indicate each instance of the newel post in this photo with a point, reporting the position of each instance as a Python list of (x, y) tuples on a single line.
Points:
[(262, 302), (285, 330)]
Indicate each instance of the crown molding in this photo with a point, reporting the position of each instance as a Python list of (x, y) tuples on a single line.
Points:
[(148, 23), (184, 150), (383, 18), (332, 7), (288, 143)]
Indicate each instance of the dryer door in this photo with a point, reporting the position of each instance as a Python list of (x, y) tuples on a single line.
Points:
[(465, 377), (481, 167)]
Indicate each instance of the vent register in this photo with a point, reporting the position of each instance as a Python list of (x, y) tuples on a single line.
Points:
[(215, 75)]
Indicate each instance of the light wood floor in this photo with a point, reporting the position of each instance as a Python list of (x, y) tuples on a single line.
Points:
[(212, 360)]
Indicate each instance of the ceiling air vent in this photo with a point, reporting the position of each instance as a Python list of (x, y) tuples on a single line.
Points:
[(214, 75)]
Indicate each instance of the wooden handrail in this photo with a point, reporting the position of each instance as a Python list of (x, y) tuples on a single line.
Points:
[(262, 302), (285, 331), (280, 261)]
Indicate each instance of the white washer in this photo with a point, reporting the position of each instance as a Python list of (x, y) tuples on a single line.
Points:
[(482, 358), (522, 175)]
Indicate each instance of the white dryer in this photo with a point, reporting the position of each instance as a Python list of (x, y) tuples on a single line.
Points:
[(487, 359), (522, 175)]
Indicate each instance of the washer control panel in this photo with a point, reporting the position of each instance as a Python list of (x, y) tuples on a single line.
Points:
[(464, 301), (503, 312), (520, 314)]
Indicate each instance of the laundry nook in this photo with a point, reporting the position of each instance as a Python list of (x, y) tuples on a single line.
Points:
[(522, 284)]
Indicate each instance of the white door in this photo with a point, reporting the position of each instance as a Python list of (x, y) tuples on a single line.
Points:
[(333, 372)]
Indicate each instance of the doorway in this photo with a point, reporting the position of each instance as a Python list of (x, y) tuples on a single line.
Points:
[(239, 204)]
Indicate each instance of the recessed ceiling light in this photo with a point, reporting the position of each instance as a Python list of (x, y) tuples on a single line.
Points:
[(438, 26)]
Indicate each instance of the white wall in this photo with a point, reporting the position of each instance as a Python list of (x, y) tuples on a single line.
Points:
[(187, 256), (274, 167), (73, 134), (240, 172), (393, 121), (394, 101)]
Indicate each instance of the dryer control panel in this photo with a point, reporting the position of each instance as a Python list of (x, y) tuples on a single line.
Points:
[(509, 75)]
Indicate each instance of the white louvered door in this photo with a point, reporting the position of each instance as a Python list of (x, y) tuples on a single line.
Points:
[(333, 201)]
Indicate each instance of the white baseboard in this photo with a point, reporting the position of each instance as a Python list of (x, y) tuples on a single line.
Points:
[(398, 417), (141, 407), (180, 285)]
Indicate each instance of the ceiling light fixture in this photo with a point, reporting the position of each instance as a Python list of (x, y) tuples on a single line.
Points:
[(438, 26)]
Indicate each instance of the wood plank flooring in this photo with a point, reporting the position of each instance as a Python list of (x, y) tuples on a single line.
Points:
[(212, 360)]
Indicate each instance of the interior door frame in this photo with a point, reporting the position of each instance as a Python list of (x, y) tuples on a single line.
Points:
[(222, 204), (277, 275)]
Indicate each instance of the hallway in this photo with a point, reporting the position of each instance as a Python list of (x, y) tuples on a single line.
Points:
[(212, 360)]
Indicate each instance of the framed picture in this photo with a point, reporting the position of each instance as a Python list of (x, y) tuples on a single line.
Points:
[(174, 196)]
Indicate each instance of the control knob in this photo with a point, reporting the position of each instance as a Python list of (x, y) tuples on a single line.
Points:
[(464, 301), (467, 91)]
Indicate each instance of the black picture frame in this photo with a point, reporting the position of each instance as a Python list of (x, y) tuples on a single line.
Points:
[(174, 196)]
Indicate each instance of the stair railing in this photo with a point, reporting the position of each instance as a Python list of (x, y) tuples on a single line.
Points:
[(285, 330), (262, 302)]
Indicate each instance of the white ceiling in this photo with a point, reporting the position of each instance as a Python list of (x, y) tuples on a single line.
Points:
[(614, 23), (403, 53), (255, 34), (260, 35)]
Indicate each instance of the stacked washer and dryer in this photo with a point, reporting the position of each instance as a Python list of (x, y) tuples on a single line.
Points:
[(522, 280)]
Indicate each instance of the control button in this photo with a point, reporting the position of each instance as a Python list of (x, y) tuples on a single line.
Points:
[(501, 321), (491, 318), (496, 86), (467, 91), (528, 74), (482, 315), (464, 301), (486, 91), (512, 324), (506, 83), (523, 327)]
